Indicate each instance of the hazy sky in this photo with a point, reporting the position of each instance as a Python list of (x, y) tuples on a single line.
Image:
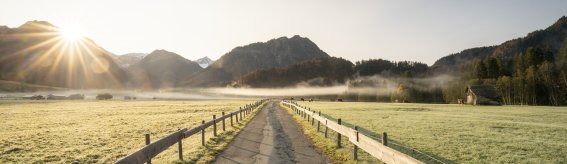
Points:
[(421, 30)]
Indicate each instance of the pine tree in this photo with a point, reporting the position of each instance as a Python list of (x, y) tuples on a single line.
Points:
[(561, 61), (493, 68), (480, 71), (519, 63)]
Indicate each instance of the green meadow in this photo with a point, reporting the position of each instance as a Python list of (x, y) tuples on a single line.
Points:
[(453, 133), (104, 131)]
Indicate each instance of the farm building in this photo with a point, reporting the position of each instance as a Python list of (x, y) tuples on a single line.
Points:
[(76, 97), (55, 97), (483, 95)]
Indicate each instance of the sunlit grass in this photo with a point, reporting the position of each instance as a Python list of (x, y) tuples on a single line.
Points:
[(99, 131), (457, 133)]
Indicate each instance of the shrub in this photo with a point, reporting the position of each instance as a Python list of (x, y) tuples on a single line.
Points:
[(104, 96)]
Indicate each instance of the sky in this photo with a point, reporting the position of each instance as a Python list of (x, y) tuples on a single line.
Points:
[(418, 30)]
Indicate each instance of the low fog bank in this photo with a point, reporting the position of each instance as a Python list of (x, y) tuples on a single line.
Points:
[(296, 91), (358, 87), (121, 94), (367, 85), (382, 86)]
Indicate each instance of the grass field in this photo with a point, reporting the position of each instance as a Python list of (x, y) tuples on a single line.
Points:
[(100, 131), (456, 133)]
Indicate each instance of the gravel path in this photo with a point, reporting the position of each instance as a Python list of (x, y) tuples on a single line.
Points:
[(272, 136)]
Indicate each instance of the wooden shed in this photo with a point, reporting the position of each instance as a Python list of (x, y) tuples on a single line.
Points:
[(483, 95)]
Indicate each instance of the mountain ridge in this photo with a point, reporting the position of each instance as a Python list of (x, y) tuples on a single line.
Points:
[(161, 69), (241, 60)]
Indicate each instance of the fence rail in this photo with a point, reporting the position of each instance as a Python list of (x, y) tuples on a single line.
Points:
[(146, 153), (366, 143)]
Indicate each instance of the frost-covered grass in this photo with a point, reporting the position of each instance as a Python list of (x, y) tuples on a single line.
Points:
[(459, 133), (101, 131)]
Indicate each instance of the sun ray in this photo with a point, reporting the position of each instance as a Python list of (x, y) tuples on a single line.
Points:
[(82, 64), (97, 60), (57, 61), (31, 48), (70, 64), (45, 55)]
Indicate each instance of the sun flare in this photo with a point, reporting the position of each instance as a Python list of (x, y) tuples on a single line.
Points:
[(71, 34)]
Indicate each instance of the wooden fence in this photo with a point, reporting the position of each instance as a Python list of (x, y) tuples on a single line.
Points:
[(149, 151), (373, 147)]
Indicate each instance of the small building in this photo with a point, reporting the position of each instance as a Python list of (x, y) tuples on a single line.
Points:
[(76, 97), (33, 97), (55, 97), (483, 95)]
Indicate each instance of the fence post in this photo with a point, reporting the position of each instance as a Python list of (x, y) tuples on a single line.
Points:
[(203, 134), (147, 143), (236, 115), (356, 147), (180, 147), (319, 122), (385, 139), (313, 119), (240, 114), (223, 129), (339, 136), (326, 128), (214, 125), (231, 119)]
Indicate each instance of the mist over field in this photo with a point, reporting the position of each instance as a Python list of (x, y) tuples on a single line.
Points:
[(120, 94)]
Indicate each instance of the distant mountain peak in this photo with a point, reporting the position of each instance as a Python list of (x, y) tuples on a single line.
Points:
[(561, 22), (38, 26), (204, 62)]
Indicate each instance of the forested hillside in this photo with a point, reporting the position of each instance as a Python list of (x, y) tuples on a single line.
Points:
[(316, 72), (529, 70)]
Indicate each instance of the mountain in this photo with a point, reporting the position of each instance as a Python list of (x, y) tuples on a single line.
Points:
[(37, 53), (161, 69), (316, 72), (204, 62), (242, 60), (550, 38), (129, 59)]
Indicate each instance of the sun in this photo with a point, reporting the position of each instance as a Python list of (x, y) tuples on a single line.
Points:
[(71, 33)]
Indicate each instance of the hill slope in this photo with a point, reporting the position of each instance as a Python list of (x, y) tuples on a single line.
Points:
[(242, 60), (550, 38), (161, 69)]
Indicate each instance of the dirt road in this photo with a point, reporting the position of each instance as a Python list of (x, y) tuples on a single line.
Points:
[(272, 136)]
